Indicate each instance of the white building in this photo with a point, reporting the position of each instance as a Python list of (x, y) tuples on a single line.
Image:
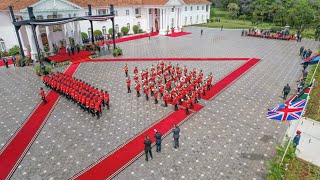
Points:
[(149, 15)]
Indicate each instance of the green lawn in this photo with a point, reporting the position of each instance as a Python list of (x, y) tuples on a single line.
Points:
[(313, 107), (300, 169), (229, 23)]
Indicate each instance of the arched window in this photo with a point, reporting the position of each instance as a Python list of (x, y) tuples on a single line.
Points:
[(89, 32), (2, 45), (116, 28), (128, 26), (104, 30)]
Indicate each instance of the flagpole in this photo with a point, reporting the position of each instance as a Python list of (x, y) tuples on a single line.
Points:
[(314, 73), (290, 138)]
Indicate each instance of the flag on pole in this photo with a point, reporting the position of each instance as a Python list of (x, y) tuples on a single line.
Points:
[(292, 109)]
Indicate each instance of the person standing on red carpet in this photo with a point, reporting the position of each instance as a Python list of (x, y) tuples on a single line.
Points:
[(147, 147), (43, 95)]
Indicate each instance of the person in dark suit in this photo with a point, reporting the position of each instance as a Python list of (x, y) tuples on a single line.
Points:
[(147, 147), (286, 91), (158, 137), (72, 50), (176, 131)]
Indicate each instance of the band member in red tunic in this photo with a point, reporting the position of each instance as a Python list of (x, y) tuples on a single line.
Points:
[(97, 107), (129, 85), (166, 98), (138, 89), (106, 99), (92, 104), (146, 92), (43, 95), (155, 95), (125, 68), (175, 102), (135, 71)]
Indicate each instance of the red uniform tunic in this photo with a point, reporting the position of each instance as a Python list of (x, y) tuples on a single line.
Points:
[(138, 87), (155, 95), (135, 71), (97, 106), (128, 82), (106, 97), (42, 94)]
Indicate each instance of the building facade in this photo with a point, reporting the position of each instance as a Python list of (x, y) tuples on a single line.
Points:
[(163, 16)]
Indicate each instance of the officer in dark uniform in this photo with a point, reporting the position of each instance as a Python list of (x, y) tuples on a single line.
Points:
[(158, 137), (176, 131), (147, 147), (286, 91)]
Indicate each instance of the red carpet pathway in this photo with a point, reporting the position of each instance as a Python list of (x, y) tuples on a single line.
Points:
[(113, 163), (63, 56), (18, 145), (229, 79), (177, 34), (120, 158), (130, 38), (2, 63)]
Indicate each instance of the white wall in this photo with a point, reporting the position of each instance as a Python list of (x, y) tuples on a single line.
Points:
[(194, 13), (7, 32)]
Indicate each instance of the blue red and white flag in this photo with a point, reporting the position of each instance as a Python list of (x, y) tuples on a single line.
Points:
[(288, 111)]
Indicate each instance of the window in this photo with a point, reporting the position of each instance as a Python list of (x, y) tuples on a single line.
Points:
[(104, 30), (197, 20), (202, 19), (172, 10), (185, 20), (69, 15), (202, 7), (150, 11), (190, 8), (172, 22), (127, 12), (2, 45), (190, 19), (139, 25), (116, 28), (101, 11), (39, 17), (207, 8), (89, 32), (198, 8), (74, 15), (186, 8), (128, 26), (138, 11)]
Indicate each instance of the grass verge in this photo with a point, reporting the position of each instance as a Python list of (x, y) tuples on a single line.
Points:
[(313, 107)]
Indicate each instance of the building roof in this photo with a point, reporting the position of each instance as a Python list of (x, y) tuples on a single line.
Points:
[(21, 4)]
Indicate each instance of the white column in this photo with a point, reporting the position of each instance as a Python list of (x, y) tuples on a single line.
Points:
[(180, 18), (66, 37), (162, 25), (148, 21), (153, 19), (32, 43), (176, 20), (49, 39), (39, 38), (22, 43)]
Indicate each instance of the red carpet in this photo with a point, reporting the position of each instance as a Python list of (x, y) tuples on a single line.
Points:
[(222, 84), (130, 38), (18, 145), (2, 63), (177, 34), (111, 164), (167, 59), (63, 56)]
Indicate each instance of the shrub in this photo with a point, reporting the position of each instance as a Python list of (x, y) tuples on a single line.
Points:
[(110, 31), (97, 33), (125, 30), (117, 52), (15, 50), (52, 63), (275, 29), (140, 31), (135, 29), (26, 60), (84, 35)]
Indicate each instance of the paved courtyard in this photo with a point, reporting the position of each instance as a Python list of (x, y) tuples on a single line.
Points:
[(228, 139)]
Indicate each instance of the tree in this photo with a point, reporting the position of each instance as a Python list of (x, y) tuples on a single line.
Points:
[(84, 35), (135, 29), (110, 31), (97, 33), (301, 16), (243, 18), (125, 30), (233, 9)]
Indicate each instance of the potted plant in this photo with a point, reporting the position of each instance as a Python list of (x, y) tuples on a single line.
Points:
[(26, 61), (53, 64), (117, 52)]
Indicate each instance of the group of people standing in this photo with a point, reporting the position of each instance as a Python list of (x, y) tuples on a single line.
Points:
[(305, 53), (158, 139), (6, 60), (71, 50), (172, 84), (89, 98)]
